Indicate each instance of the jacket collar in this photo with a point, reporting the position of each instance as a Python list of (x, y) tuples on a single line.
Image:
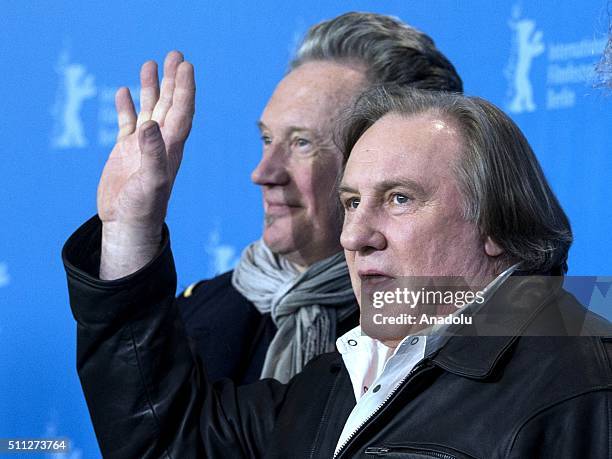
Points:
[(475, 350)]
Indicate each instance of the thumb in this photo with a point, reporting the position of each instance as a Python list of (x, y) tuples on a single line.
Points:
[(153, 149)]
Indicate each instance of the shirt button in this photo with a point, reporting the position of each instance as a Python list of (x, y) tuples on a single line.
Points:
[(352, 342), (414, 340), (376, 388)]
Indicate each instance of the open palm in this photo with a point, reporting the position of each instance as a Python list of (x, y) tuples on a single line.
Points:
[(138, 176)]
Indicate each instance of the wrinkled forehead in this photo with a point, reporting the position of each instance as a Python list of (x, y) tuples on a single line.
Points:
[(423, 147)]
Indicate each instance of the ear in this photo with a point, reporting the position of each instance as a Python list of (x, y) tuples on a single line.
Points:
[(491, 247)]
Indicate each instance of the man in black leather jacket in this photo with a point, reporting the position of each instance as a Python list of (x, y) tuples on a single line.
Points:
[(435, 184)]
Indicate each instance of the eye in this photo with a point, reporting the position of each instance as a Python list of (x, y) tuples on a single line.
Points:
[(300, 142), (266, 139), (351, 203), (400, 199)]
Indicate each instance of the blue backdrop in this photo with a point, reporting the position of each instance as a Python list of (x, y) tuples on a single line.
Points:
[(63, 60)]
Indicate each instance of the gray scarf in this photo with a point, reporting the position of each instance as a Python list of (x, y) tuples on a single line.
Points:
[(305, 306)]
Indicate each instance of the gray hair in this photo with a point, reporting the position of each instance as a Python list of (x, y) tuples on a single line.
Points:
[(503, 186), (392, 51)]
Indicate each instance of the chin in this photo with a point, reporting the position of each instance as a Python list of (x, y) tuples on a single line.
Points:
[(279, 235), (277, 243)]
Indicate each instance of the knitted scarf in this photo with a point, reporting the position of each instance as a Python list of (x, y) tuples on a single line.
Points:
[(305, 306)]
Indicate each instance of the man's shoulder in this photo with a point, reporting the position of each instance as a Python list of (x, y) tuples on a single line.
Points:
[(550, 374), (589, 323), (577, 347), (587, 359), (209, 299), (205, 288)]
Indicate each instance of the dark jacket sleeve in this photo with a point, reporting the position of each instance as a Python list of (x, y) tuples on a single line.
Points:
[(147, 393)]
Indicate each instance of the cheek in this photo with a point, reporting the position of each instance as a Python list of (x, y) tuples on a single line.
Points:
[(403, 232), (467, 246), (416, 243), (304, 181), (443, 248), (318, 186)]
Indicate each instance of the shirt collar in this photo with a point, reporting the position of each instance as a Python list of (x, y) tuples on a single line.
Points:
[(354, 340)]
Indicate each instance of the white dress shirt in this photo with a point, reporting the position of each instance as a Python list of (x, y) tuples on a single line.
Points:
[(375, 371)]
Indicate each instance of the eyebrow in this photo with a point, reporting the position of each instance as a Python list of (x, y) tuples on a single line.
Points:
[(262, 126), (386, 185)]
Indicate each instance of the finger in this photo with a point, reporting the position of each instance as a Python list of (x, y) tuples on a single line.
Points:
[(153, 151), (173, 59), (126, 113), (180, 116), (149, 91)]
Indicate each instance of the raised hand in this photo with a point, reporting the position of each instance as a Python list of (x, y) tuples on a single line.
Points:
[(138, 176)]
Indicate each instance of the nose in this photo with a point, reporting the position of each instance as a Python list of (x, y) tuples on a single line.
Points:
[(272, 168), (361, 232)]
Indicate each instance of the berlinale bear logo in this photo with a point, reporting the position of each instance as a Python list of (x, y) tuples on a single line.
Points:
[(76, 86), (527, 44)]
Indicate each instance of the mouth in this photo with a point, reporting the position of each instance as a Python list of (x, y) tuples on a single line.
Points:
[(371, 283), (279, 208), (374, 278)]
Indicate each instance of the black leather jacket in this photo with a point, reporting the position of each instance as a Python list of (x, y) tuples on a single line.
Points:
[(478, 397)]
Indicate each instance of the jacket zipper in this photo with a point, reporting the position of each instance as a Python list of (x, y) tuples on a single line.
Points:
[(378, 408), (383, 451)]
